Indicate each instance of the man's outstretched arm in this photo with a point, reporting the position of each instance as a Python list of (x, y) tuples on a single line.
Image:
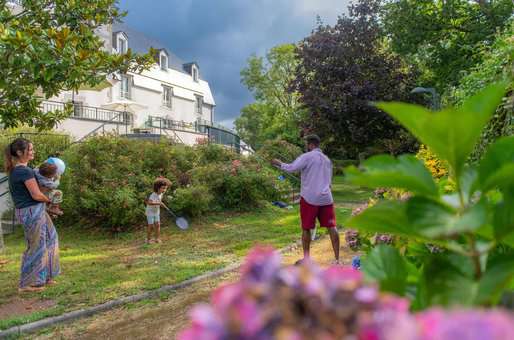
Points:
[(296, 166)]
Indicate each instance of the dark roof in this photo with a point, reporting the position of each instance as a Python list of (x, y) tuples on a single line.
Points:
[(140, 43)]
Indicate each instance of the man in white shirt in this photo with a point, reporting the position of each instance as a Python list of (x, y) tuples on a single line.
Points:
[(316, 195)]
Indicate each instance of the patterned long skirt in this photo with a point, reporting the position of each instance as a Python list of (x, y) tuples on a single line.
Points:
[(40, 261)]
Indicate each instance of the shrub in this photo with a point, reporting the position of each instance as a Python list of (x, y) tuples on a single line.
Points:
[(436, 167), (209, 153), (192, 201), (108, 179)]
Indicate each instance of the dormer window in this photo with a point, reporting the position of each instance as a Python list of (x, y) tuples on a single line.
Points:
[(120, 42), (122, 46), (163, 60), (194, 73)]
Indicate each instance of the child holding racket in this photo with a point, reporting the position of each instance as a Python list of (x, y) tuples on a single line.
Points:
[(153, 211)]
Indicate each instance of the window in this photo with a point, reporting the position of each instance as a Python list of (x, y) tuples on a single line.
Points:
[(195, 73), (164, 62), (167, 95), (199, 104), (125, 86), (122, 45)]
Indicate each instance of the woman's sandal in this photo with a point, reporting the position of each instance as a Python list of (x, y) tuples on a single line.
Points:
[(31, 289), (51, 282)]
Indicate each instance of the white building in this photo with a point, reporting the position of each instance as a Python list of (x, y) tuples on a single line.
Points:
[(171, 95), (171, 98)]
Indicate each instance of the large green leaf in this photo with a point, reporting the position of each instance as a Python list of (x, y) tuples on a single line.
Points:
[(405, 172), (386, 217), (385, 265), (503, 218), (446, 281), (435, 219), (452, 133), (497, 167), (498, 275)]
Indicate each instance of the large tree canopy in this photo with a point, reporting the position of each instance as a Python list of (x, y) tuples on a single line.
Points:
[(49, 46), (443, 36), (343, 68), (277, 111)]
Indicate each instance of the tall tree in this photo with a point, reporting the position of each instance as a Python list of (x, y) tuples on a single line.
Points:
[(277, 111), (444, 36), (48, 46), (342, 69)]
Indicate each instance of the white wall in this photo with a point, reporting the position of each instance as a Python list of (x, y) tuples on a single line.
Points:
[(79, 128)]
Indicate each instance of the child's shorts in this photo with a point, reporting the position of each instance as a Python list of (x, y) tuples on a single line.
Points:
[(55, 196), (153, 219)]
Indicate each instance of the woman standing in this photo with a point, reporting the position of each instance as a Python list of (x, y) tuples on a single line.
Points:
[(40, 261)]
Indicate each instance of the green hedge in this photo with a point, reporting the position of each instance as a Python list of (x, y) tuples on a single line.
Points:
[(108, 178)]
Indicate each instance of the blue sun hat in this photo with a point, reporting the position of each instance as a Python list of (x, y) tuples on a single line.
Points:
[(59, 163)]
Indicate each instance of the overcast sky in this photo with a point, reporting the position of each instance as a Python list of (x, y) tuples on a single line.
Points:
[(221, 34)]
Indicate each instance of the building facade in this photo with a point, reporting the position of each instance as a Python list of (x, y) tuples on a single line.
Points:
[(170, 98), (171, 94)]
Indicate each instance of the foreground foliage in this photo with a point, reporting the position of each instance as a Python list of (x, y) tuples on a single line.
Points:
[(473, 225), (306, 302)]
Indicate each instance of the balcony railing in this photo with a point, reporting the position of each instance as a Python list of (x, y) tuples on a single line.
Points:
[(163, 123), (90, 113), (203, 122)]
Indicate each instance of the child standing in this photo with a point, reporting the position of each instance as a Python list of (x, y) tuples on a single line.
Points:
[(153, 205)]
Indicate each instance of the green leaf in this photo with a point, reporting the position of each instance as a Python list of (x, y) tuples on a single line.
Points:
[(468, 183), (503, 218), (446, 281), (498, 275), (385, 265), (497, 167), (434, 219), (452, 133), (386, 217), (405, 172)]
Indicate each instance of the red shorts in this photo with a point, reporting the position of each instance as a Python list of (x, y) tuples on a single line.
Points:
[(325, 214)]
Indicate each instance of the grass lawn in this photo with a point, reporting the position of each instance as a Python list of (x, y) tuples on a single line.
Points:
[(97, 267)]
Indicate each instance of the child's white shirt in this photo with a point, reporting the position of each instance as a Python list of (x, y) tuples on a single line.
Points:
[(154, 210)]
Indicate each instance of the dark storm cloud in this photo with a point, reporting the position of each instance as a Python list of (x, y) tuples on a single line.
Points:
[(221, 34)]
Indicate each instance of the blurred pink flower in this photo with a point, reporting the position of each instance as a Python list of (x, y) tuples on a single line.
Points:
[(306, 302)]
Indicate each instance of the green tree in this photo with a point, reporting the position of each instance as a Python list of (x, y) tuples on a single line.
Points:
[(497, 65), (277, 111), (48, 46), (442, 37), (342, 69)]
